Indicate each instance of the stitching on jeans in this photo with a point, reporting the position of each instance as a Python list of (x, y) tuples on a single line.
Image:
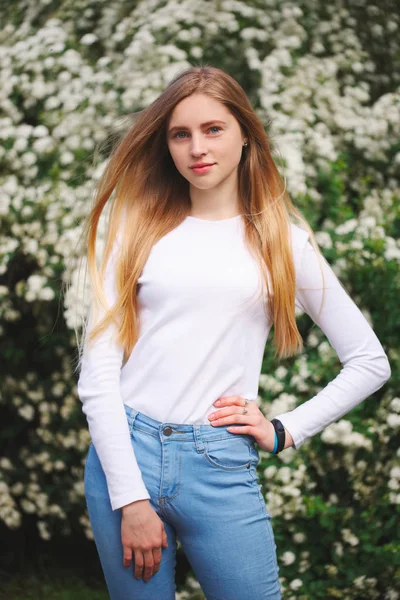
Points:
[(131, 417), (218, 466), (254, 481), (165, 499), (136, 428), (273, 547)]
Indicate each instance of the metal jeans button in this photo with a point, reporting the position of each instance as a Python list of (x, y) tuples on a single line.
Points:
[(167, 431)]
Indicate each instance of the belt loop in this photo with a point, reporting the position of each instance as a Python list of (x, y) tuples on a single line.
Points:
[(132, 414), (198, 438)]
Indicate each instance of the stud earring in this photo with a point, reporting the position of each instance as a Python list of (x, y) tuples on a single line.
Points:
[(245, 144)]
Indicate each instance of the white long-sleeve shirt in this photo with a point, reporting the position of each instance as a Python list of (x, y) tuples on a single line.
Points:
[(203, 332)]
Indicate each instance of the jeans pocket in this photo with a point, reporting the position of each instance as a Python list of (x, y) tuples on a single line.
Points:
[(254, 454), (229, 454), (136, 430)]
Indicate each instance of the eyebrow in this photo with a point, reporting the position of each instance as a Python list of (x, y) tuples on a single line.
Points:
[(178, 127)]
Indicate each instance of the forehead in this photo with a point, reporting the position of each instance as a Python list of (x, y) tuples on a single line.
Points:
[(196, 109)]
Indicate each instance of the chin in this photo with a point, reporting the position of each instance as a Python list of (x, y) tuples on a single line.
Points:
[(205, 186)]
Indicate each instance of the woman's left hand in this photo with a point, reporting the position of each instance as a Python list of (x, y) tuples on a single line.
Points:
[(253, 423)]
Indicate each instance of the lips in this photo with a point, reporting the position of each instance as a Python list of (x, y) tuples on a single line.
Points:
[(201, 165)]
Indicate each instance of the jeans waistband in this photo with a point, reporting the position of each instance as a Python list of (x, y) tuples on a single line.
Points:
[(182, 431)]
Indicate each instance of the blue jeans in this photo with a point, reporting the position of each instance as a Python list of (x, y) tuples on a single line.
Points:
[(204, 487)]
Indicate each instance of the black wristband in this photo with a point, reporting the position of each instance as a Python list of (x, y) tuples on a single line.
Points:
[(280, 432)]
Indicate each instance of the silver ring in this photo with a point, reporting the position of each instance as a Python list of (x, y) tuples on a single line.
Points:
[(246, 402)]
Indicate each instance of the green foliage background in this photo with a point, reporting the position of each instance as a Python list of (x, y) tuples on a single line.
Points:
[(324, 77)]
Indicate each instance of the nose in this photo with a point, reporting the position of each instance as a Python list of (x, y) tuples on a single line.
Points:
[(198, 146)]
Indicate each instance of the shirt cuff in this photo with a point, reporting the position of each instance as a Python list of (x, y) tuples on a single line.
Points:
[(120, 501), (290, 422)]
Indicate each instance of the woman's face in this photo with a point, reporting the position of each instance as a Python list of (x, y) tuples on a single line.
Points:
[(202, 130)]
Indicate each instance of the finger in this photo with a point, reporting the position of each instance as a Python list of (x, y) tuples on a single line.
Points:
[(225, 412), (139, 564), (235, 418), (148, 564), (245, 429), (229, 400), (165, 539), (127, 556), (156, 559)]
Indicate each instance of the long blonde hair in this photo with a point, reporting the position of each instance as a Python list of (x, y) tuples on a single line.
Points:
[(149, 198)]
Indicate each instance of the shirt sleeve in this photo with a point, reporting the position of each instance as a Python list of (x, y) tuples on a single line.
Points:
[(365, 366), (99, 391)]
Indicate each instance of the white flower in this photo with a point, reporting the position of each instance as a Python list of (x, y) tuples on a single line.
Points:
[(349, 537), (20, 144), (28, 158), (5, 463), (43, 145), (27, 412), (58, 389), (27, 506), (313, 340), (281, 372), (3, 487), (43, 530), (270, 384), (295, 584), (88, 39), (338, 548), (35, 282), (395, 472), (347, 227), (196, 52), (47, 294), (17, 489), (284, 474), (393, 420), (284, 403), (4, 203), (66, 158), (332, 570), (288, 557), (323, 239), (326, 350), (270, 472), (40, 131), (394, 498)]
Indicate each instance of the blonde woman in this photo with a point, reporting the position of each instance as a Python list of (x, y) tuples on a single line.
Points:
[(201, 258)]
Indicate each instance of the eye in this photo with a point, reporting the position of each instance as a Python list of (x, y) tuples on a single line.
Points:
[(179, 133)]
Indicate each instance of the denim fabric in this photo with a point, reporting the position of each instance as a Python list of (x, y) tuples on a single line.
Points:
[(204, 486)]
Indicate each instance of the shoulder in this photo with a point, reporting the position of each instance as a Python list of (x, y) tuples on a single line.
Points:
[(299, 237), (305, 259)]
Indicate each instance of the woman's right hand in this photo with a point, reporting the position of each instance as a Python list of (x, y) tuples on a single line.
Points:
[(142, 531)]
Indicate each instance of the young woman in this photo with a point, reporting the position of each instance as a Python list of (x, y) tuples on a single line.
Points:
[(201, 259)]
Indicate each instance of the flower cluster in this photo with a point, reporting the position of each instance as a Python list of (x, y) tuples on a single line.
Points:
[(320, 76)]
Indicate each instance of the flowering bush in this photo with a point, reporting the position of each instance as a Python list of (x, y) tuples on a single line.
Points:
[(325, 75)]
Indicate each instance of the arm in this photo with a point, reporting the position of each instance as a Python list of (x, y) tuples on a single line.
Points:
[(99, 392), (365, 366)]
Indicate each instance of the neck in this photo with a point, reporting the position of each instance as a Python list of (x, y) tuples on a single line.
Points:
[(219, 202)]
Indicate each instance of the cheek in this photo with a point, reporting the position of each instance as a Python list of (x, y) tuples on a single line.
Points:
[(233, 154), (177, 158)]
